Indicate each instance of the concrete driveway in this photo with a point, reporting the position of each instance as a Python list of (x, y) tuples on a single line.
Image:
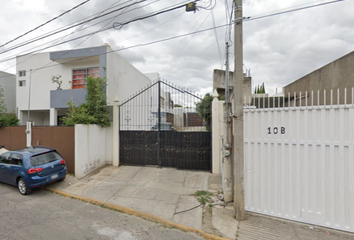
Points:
[(167, 193), (161, 192)]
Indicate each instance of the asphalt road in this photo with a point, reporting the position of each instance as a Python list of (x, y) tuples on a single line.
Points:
[(46, 215)]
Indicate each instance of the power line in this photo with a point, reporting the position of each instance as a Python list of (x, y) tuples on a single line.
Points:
[(102, 30), (204, 30), (60, 38), (135, 46), (53, 31), (75, 25), (120, 25), (291, 10), (45, 23), (208, 29), (216, 35)]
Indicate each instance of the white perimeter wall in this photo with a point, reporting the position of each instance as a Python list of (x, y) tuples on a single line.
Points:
[(299, 164), (93, 148), (124, 79)]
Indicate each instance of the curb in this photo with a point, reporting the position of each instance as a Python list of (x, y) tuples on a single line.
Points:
[(146, 216)]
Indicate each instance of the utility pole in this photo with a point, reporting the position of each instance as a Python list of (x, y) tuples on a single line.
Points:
[(237, 108), (227, 161)]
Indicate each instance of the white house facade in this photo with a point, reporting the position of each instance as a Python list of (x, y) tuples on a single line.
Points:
[(47, 102)]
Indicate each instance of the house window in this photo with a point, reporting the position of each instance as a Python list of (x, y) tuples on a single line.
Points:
[(22, 73), (80, 75), (22, 83)]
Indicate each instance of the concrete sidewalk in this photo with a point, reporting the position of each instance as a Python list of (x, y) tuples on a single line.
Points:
[(166, 193)]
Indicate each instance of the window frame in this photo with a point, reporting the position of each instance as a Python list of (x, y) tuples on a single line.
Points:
[(22, 83), (22, 73), (81, 82)]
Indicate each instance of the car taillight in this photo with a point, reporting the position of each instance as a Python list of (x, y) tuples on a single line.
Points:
[(34, 170), (62, 161)]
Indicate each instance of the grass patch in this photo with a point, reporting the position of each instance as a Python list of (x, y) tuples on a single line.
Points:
[(203, 197)]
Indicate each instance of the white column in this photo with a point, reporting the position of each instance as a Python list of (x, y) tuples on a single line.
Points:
[(29, 134), (116, 132), (216, 141), (53, 118)]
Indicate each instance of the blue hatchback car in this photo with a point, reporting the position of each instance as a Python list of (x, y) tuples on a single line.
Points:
[(30, 168)]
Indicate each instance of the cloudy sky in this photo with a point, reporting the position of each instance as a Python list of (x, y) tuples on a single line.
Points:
[(277, 49)]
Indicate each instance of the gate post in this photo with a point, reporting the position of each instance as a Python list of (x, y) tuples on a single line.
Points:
[(116, 132)]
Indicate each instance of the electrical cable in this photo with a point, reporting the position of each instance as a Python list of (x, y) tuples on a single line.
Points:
[(204, 30), (74, 31), (184, 46), (120, 25), (246, 19), (89, 33), (216, 36), (164, 10), (60, 38), (45, 23), (75, 25), (69, 25), (188, 209)]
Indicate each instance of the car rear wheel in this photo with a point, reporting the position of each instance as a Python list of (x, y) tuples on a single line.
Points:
[(22, 187)]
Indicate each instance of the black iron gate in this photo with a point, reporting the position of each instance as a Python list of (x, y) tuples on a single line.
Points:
[(160, 126)]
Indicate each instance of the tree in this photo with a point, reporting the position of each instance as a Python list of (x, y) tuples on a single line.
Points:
[(95, 110), (5, 118), (259, 89), (204, 108), (3, 108)]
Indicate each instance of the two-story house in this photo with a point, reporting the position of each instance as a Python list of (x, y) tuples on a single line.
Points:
[(47, 101)]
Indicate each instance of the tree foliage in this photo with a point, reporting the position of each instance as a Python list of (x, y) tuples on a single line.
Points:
[(204, 108), (5, 118), (3, 108), (8, 120), (259, 89), (95, 110)]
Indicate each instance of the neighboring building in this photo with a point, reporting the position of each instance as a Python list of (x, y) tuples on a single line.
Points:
[(48, 103), (336, 75), (219, 84), (8, 84)]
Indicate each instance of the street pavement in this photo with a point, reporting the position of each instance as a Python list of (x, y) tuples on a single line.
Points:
[(44, 215), (166, 196)]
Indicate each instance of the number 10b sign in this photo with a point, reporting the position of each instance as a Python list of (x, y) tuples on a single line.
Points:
[(276, 130)]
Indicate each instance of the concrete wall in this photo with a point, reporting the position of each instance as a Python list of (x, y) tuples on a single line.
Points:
[(124, 79), (8, 84), (93, 148), (338, 74), (219, 83), (218, 128)]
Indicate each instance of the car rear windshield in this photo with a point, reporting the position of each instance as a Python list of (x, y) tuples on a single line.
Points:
[(45, 158)]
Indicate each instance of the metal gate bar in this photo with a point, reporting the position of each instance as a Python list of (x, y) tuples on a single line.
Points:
[(160, 126)]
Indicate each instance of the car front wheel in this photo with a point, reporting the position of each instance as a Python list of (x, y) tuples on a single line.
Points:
[(22, 187)]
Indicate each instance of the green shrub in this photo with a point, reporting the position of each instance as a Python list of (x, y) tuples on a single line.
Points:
[(8, 120)]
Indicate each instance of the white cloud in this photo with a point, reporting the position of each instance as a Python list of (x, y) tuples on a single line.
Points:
[(278, 49)]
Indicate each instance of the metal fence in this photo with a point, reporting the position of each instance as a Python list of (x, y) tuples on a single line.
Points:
[(160, 126), (299, 159)]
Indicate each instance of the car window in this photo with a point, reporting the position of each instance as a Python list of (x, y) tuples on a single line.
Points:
[(45, 158), (5, 158), (16, 159)]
